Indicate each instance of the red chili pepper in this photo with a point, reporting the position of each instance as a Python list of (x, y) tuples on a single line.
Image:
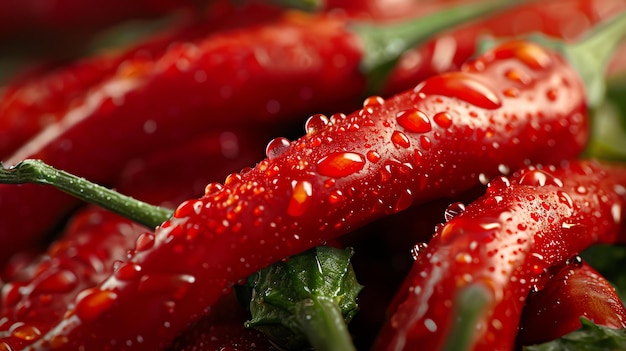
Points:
[(28, 105), (436, 140), (37, 298), (565, 19), (192, 88), (576, 291), (58, 19), (499, 249)]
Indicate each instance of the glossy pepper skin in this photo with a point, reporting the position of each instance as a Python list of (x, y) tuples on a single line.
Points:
[(565, 19), (433, 141), (319, 67), (86, 251), (30, 104), (191, 88), (577, 290), (505, 244)]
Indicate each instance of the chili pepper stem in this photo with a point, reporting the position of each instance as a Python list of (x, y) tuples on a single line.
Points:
[(37, 172), (470, 304), (384, 44), (323, 324), (591, 55)]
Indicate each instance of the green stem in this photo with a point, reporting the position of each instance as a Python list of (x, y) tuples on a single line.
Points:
[(470, 304), (591, 55), (37, 172), (322, 322), (304, 5), (383, 44)]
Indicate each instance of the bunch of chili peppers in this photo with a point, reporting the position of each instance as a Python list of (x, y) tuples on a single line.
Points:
[(459, 148)]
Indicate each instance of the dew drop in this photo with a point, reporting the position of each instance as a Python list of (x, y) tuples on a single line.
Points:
[(414, 121), (300, 200), (315, 123), (373, 101), (127, 271), (540, 178), (373, 156), (340, 164), (400, 140), (62, 281), (144, 242), (418, 249), (26, 332), (404, 201), (463, 86), (532, 55), (277, 147), (453, 210), (430, 325), (93, 302), (443, 119), (335, 197)]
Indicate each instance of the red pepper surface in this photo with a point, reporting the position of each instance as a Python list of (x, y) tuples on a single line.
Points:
[(37, 298), (504, 244), (565, 19), (58, 19), (28, 105), (298, 75), (193, 87), (436, 140), (576, 291), (222, 330)]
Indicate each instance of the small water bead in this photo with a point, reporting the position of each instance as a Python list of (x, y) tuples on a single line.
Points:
[(127, 271), (373, 101), (93, 302), (316, 123), (531, 54), (26, 332), (277, 147), (462, 86), (425, 142), (301, 196), (418, 249), (453, 210), (373, 156), (400, 140), (443, 119), (144, 242), (403, 202), (540, 178), (414, 121), (336, 196), (62, 281), (213, 188), (340, 164), (518, 76)]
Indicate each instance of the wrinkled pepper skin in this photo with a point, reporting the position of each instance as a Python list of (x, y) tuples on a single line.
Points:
[(439, 139), (505, 243), (575, 291)]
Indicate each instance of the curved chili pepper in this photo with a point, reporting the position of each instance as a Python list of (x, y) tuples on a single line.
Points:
[(441, 138), (36, 299), (30, 104), (576, 291), (565, 19), (499, 249), (192, 88)]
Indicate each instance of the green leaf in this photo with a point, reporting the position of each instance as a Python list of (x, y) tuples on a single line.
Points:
[(307, 299), (589, 337)]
